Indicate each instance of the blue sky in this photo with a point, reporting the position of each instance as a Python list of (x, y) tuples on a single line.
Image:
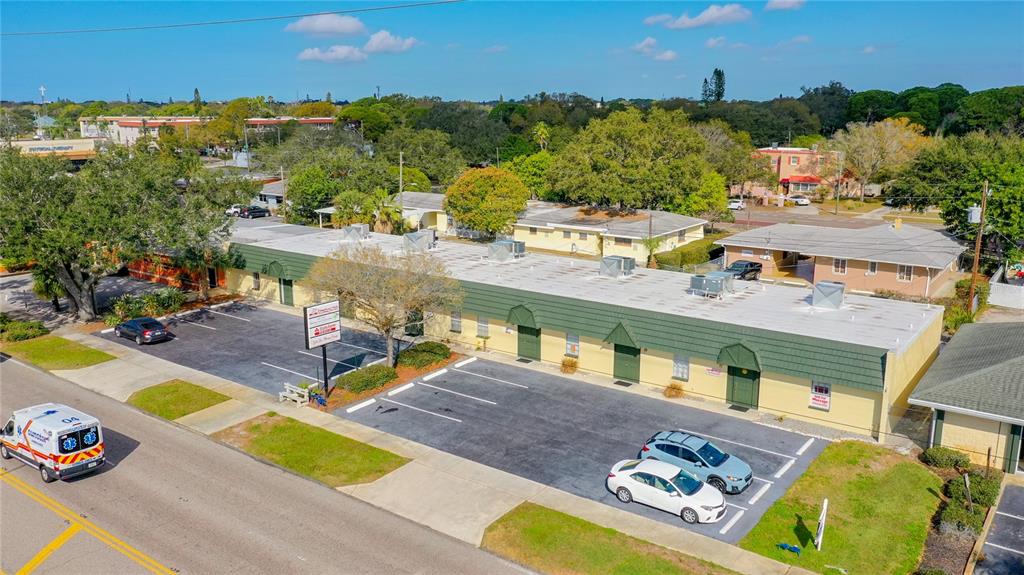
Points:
[(479, 50)]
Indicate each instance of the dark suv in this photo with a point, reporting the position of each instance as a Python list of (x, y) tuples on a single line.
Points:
[(253, 212), (744, 270)]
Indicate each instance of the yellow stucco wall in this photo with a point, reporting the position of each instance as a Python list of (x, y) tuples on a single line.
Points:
[(852, 409), (590, 243), (241, 282), (910, 366), (975, 436)]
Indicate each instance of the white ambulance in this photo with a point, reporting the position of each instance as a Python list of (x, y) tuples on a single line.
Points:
[(58, 440)]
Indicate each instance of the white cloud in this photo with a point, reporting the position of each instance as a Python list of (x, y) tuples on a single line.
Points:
[(711, 16), (666, 56), (869, 49), (657, 19), (801, 39), (495, 49), (327, 25), (333, 54), (716, 42), (645, 46), (680, 76), (384, 41), (784, 4)]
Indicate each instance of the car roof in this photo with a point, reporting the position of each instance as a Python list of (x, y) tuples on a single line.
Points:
[(681, 438), (660, 468)]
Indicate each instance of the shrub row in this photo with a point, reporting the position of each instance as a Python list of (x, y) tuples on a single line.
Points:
[(984, 489), (370, 377), (162, 301), (945, 458), (14, 330), (695, 252), (955, 517), (424, 354)]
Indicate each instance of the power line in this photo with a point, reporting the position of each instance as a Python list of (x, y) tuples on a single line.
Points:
[(231, 21)]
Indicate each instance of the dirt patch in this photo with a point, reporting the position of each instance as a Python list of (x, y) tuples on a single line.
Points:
[(342, 397), (240, 435), (948, 553)]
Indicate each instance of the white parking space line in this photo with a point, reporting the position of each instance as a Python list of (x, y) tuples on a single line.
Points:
[(183, 320), (288, 370), (736, 443), (457, 393), (431, 376), (373, 351), (358, 406), (804, 447), (1017, 551), (227, 314), (318, 356), (737, 506), (764, 480), (491, 378), (423, 410), (759, 493), (465, 362), (725, 529), (785, 467), (400, 389), (1017, 517)]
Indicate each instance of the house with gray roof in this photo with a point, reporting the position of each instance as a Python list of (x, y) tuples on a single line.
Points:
[(891, 256), (975, 390)]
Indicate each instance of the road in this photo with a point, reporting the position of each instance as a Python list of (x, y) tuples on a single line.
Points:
[(170, 500)]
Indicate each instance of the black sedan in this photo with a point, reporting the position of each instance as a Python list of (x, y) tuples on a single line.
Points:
[(142, 330), (744, 270), (253, 212)]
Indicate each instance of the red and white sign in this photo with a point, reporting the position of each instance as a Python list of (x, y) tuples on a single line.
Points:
[(821, 396), (322, 323)]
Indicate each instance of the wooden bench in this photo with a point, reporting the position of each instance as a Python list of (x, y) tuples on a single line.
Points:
[(299, 395)]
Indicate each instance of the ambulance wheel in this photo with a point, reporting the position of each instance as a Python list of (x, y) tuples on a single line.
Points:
[(4, 453), (46, 475)]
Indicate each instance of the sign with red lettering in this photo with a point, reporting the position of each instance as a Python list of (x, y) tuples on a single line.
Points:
[(322, 323), (821, 396)]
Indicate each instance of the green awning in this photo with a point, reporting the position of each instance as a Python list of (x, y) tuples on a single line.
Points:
[(622, 335), (274, 269), (521, 315), (739, 355)]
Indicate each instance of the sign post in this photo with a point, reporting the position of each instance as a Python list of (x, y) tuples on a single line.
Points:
[(820, 534), (322, 323)]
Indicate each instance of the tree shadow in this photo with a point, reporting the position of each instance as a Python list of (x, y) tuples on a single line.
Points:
[(803, 534)]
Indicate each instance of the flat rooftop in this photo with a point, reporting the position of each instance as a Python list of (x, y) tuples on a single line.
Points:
[(637, 224), (863, 320)]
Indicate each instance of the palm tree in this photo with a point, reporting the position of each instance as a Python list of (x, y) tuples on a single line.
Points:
[(387, 217)]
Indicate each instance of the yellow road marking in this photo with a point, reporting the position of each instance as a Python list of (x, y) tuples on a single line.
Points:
[(52, 546), (128, 551)]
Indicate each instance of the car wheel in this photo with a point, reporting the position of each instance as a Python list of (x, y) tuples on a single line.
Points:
[(757, 276), (717, 484), (4, 453), (138, 339), (45, 474), (117, 332), (624, 495), (688, 515)]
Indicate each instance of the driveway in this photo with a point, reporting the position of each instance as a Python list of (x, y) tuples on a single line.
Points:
[(1004, 545), (257, 347), (568, 434)]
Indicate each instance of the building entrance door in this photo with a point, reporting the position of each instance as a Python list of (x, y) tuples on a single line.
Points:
[(744, 387), (627, 363), (287, 298), (529, 342)]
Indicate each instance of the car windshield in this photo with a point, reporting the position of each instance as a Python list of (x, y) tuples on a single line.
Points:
[(737, 266), (712, 455), (686, 483), (150, 325)]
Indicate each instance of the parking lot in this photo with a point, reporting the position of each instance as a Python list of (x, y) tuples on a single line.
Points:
[(1004, 545), (568, 434), (257, 347)]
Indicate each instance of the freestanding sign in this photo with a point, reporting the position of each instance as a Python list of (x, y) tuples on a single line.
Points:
[(821, 525), (322, 323)]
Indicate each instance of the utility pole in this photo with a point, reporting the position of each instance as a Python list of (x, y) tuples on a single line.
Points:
[(977, 249), (248, 154), (839, 177), (401, 182)]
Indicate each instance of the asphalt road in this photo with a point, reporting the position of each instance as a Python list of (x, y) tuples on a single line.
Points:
[(170, 500)]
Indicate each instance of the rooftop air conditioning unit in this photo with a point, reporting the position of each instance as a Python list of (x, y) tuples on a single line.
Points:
[(727, 278), (420, 241), (355, 233), (707, 285), (828, 295), (617, 266), (697, 283), (506, 250)]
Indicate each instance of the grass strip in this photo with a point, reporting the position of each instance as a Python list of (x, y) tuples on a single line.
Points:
[(52, 352), (175, 398)]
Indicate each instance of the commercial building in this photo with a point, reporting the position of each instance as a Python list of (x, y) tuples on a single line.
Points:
[(266, 124), (976, 392), (424, 210), (850, 364), (128, 129), (77, 149), (891, 257)]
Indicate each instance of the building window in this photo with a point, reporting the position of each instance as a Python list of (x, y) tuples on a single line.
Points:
[(681, 235), (680, 367), (533, 231), (572, 345), (794, 160), (904, 273), (747, 253), (567, 235), (623, 242), (872, 268), (482, 328), (839, 266), (583, 236), (256, 281), (456, 321), (775, 161)]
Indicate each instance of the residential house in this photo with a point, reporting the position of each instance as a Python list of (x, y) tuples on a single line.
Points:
[(423, 210)]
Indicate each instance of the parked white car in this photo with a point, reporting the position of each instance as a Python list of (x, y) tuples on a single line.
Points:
[(234, 210), (667, 487), (737, 205), (800, 200)]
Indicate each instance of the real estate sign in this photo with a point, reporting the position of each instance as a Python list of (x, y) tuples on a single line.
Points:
[(821, 396), (322, 322)]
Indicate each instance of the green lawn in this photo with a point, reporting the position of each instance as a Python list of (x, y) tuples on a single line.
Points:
[(175, 398), (311, 451), (552, 542), (880, 507), (51, 353)]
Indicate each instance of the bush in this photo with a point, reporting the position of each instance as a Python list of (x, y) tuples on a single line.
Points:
[(370, 377), (170, 299), (570, 364), (984, 490), (111, 319), (674, 390), (424, 354), (127, 306), (955, 316), (695, 252), (151, 304), (963, 288), (944, 457), (956, 518), (11, 330), (4, 320)]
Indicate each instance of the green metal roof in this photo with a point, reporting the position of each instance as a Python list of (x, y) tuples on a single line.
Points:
[(980, 370), (622, 335)]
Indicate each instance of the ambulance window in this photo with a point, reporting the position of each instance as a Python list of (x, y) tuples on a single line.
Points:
[(9, 430), (89, 437), (69, 442)]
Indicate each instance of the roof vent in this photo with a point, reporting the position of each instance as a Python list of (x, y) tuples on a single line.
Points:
[(420, 241), (355, 232), (617, 266), (828, 295), (506, 250)]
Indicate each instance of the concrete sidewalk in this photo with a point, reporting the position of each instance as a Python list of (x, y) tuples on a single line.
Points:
[(450, 494)]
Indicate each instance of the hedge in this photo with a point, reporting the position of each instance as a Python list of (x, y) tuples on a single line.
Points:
[(424, 354), (984, 490), (695, 252), (370, 377), (945, 457), (956, 517), (14, 330)]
